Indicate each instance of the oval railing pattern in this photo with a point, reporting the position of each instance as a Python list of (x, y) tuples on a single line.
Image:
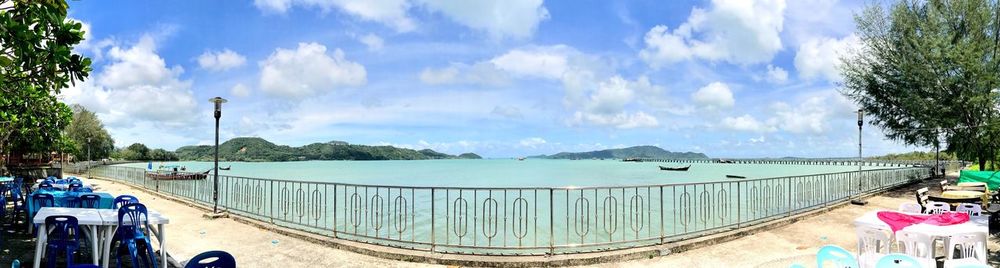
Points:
[(524, 221)]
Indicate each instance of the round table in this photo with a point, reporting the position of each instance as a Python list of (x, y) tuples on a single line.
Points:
[(983, 184), (962, 194)]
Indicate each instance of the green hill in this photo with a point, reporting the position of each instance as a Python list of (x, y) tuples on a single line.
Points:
[(257, 149), (646, 151)]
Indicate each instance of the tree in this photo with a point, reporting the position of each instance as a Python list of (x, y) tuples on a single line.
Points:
[(88, 134), (928, 70), (36, 61)]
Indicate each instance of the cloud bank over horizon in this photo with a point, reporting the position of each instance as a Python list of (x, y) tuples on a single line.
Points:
[(500, 78)]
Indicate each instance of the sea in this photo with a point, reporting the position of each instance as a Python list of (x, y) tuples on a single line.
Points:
[(501, 172)]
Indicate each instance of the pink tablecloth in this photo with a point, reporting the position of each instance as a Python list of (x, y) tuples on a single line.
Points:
[(898, 221)]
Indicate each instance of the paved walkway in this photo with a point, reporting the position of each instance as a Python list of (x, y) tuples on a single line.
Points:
[(190, 233)]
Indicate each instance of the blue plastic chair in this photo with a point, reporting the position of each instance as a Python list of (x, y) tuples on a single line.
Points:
[(64, 236), (839, 256), (20, 204), (212, 259), (85, 266), (123, 200), (39, 201), (897, 260), (90, 201), (133, 222), (45, 185), (71, 202), (75, 186), (15, 264)]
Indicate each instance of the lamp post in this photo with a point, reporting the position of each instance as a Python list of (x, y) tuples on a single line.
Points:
[(215, 187), (88, 151), (861, 122)]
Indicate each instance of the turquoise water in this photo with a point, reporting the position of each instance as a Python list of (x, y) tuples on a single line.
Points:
[(501, 172)]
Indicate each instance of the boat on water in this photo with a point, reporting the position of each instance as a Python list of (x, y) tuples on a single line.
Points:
[(520, 159), (675, 168), (175, 172), (736, 177), (631, 159), (226, 168)]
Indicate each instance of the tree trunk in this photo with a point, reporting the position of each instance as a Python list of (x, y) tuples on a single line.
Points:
[(982, 162)]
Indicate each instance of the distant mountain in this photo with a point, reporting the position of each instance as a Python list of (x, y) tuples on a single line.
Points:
[(470, 156), (636, 151), (257, 149)]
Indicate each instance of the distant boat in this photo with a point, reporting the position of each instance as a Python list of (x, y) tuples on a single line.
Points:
[(631, 159), (735, 177), (724, 161), (675, 168), (226, 168), (520, 159)]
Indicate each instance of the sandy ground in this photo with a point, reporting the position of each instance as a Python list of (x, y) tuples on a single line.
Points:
[(189, 234)]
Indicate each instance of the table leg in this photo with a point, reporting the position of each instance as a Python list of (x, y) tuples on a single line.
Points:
[(94, 236), (163, 248), (42, 239), (109, 233)]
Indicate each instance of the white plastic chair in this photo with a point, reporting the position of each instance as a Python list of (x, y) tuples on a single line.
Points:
[(970, 246), (873, 244), (934, 207), (971, 209), (917, 245), (897, 260), (910, 208)]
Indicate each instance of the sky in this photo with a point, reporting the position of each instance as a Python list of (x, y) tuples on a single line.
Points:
[(501, 78)]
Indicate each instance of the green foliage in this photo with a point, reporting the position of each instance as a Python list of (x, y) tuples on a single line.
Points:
[(87, 127), (36, 62), (929, 69), (916, 156), (139, 152), (635, 151), (257, 149)]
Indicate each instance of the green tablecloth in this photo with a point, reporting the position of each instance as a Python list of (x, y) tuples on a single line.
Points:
[(991, 178)]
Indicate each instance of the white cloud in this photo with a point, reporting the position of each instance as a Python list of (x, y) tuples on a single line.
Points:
[(745, 122), (499, 18), (239, 90), (610, 97), (135, 86), (308, 71), (735, 31), (507, 111), (622, 120), (221, 60), (714, 96), (820, 57), (776, 75), (372, 41), (533, 142), (481, 73), (544, 61), (389, 12), (814, 113)]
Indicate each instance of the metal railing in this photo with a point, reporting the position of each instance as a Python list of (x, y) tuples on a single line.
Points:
[(522, 221)]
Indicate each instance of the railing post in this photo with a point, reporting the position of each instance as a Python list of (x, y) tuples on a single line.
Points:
[(739, 205), (662, 237), (271, 199), (433, 244), (789, 205), (552, 223)]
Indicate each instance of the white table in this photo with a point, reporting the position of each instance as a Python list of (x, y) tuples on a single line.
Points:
[(975, 224), (88, 218), (156, 220)]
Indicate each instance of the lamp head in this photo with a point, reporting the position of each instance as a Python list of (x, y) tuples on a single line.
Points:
[(861, 117), (218, 103)]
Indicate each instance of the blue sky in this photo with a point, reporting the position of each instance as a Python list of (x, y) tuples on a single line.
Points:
[(730, 78)]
